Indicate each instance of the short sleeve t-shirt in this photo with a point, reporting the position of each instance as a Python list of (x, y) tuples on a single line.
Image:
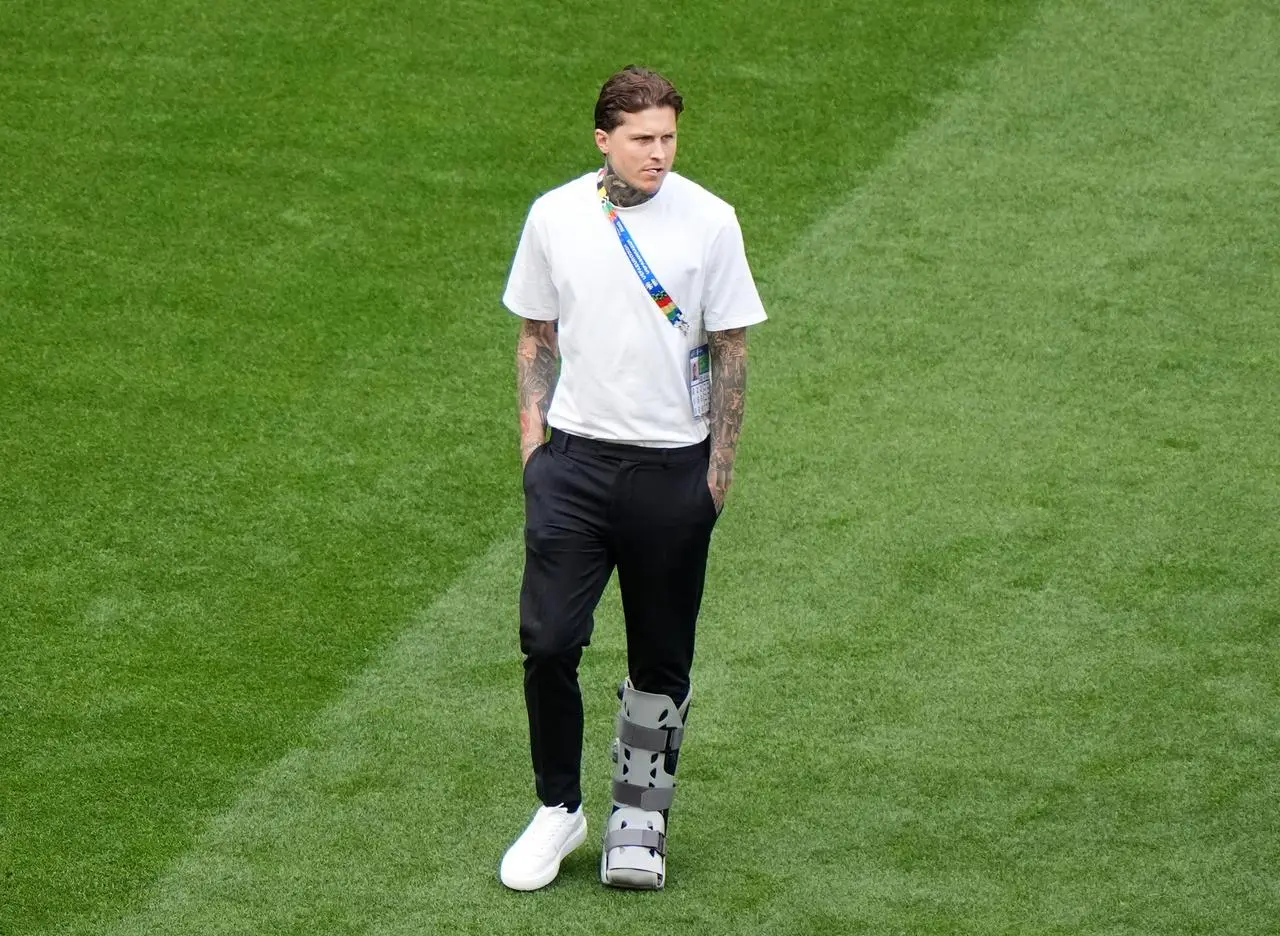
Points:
[(623, 366)]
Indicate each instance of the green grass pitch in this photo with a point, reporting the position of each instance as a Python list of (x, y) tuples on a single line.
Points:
[(992, 636)]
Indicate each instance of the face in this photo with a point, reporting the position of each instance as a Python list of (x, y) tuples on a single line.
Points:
[(642, 148)]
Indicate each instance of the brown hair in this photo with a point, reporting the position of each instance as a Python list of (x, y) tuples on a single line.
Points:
[(632, 90)]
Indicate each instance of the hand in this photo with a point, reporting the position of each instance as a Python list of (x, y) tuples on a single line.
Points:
[(718, 484), (527, 448)]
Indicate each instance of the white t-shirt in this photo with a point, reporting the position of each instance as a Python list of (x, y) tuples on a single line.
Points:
[(623, 366)]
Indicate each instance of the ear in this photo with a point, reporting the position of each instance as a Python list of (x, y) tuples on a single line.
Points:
[(602, 141)]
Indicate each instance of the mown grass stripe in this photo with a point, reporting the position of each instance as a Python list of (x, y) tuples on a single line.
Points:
[(1014, 666)]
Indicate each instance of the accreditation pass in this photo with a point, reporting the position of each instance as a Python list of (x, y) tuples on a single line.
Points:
[(700, 380)]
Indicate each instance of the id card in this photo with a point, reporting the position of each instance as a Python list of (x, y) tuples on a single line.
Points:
[(700, 381)]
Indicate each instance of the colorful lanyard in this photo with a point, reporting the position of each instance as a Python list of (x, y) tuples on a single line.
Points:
[(666, 305)]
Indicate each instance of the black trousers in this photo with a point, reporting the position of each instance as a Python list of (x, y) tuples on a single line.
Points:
[(590, 507)]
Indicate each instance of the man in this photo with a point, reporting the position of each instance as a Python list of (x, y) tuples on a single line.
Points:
[(634, 280)]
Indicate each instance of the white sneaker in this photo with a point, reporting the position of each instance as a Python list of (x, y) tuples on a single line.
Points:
[(534, 860)]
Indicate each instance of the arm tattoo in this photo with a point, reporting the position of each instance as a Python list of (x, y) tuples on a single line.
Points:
[(728, 400), (537, 354), (622, 194)]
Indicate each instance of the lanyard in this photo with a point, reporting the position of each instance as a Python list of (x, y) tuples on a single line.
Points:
[(666, 305)]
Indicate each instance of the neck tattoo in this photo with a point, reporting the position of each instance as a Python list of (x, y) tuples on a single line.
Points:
[(621, 193)]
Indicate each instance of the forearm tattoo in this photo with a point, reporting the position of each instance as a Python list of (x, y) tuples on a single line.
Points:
[(537, 354), (728, 351), (622, 194)]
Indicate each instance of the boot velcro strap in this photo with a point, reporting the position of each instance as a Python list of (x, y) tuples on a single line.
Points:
[(665, 740), (653, 799), (644, 838)]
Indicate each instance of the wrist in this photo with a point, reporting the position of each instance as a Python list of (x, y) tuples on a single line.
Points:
[(721, 464)]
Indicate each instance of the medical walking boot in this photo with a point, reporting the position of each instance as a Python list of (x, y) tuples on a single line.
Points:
[(650, 731)]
